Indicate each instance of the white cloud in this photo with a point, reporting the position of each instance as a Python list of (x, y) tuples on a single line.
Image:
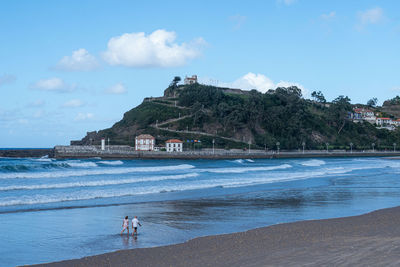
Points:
[(287, 2), (155, 50), (52, 85), (116, 89), (73, 103), (7, 78), (84, 116), (80, 60), (328, 16), (370, 16), (258, 81)]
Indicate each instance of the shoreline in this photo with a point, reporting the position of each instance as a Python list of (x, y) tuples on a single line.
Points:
[(368, 239)]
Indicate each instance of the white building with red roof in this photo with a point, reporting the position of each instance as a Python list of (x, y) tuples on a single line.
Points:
[(144, 142), (190, 80), (383, 121), (364, 114), (174, 145)]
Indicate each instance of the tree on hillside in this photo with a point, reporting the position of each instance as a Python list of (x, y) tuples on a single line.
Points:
[(175, 81), (339, 111), (372, 102), (395, 100), (318, 97)]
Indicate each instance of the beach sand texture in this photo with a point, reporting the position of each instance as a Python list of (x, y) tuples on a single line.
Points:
[(371, 239)]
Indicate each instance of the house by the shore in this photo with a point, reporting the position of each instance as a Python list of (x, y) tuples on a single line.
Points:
[(144, 142), (174, 145)]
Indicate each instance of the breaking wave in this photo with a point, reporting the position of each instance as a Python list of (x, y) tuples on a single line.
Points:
[(97, 171), (247, 169), (313, 163), (112, 162), (98, 183)]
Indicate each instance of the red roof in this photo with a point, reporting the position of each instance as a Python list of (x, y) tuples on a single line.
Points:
[(144, 136), (384, 118), (173, 141)]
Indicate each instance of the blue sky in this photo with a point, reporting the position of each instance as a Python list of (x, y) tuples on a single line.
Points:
[(67, 67)]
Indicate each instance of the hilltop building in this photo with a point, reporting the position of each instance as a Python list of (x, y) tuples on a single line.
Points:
[(144, 142), (190, 80), (174, 145)]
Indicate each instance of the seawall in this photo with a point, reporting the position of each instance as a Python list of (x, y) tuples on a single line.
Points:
[(27, 153), (125, 152)]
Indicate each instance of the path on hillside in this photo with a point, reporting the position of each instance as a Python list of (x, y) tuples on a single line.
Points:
[(165, 104), (171, 120), (199, 133), (157, 125)]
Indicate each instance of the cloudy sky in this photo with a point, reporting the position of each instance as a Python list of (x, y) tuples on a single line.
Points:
[(68, 67)]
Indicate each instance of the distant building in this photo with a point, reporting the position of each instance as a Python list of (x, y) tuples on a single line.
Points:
[(397, 122), (144, 142), (364, 114), (190, 80), (174, 145), (383, 121)]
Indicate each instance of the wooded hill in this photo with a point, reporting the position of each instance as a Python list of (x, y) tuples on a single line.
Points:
[(235, 118)]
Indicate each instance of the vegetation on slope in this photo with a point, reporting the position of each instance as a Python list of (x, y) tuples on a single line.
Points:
[(235, 118)]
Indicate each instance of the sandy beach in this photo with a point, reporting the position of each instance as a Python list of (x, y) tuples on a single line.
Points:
[(371, 239)]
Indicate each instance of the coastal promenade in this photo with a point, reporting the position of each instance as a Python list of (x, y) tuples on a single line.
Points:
[(126, 152)]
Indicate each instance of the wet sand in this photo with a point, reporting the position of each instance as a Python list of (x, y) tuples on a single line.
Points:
[(371, 239)]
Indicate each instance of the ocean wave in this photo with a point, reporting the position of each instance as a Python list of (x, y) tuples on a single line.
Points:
[(313, 163), (46, 159), (246, 169), (15, 168), (98, 194), (99, 183), (112, 162), (81, 164), (249, 160), (140, 190), (240, 161), (97, 171)]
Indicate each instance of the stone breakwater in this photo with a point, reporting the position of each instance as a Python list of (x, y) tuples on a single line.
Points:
[(127, 152), (27, 153)]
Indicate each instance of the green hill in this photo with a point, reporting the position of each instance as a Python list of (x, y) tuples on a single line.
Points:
[(234, 118)]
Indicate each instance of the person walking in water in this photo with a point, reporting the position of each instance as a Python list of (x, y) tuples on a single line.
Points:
[(125, 225), (135, 223)]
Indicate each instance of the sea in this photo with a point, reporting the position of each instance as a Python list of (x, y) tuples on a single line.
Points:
[(53, 210)]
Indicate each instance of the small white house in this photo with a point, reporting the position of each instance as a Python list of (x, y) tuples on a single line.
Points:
[(190, 80), (383, 121), (144, 142), (174, 145)]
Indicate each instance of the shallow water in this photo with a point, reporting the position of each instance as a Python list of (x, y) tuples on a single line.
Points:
[(53, 210)]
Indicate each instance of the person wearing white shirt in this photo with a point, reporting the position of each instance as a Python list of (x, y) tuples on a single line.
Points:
[(135, 223), (125, 225)]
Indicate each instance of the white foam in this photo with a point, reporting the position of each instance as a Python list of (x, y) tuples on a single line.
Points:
[(43, 160), (113, 162), (87, 195), (82, 164), (240, 161), (249, 160), (98, 183), (140, 190), (313, 163), (247, 169), (97, 171)]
